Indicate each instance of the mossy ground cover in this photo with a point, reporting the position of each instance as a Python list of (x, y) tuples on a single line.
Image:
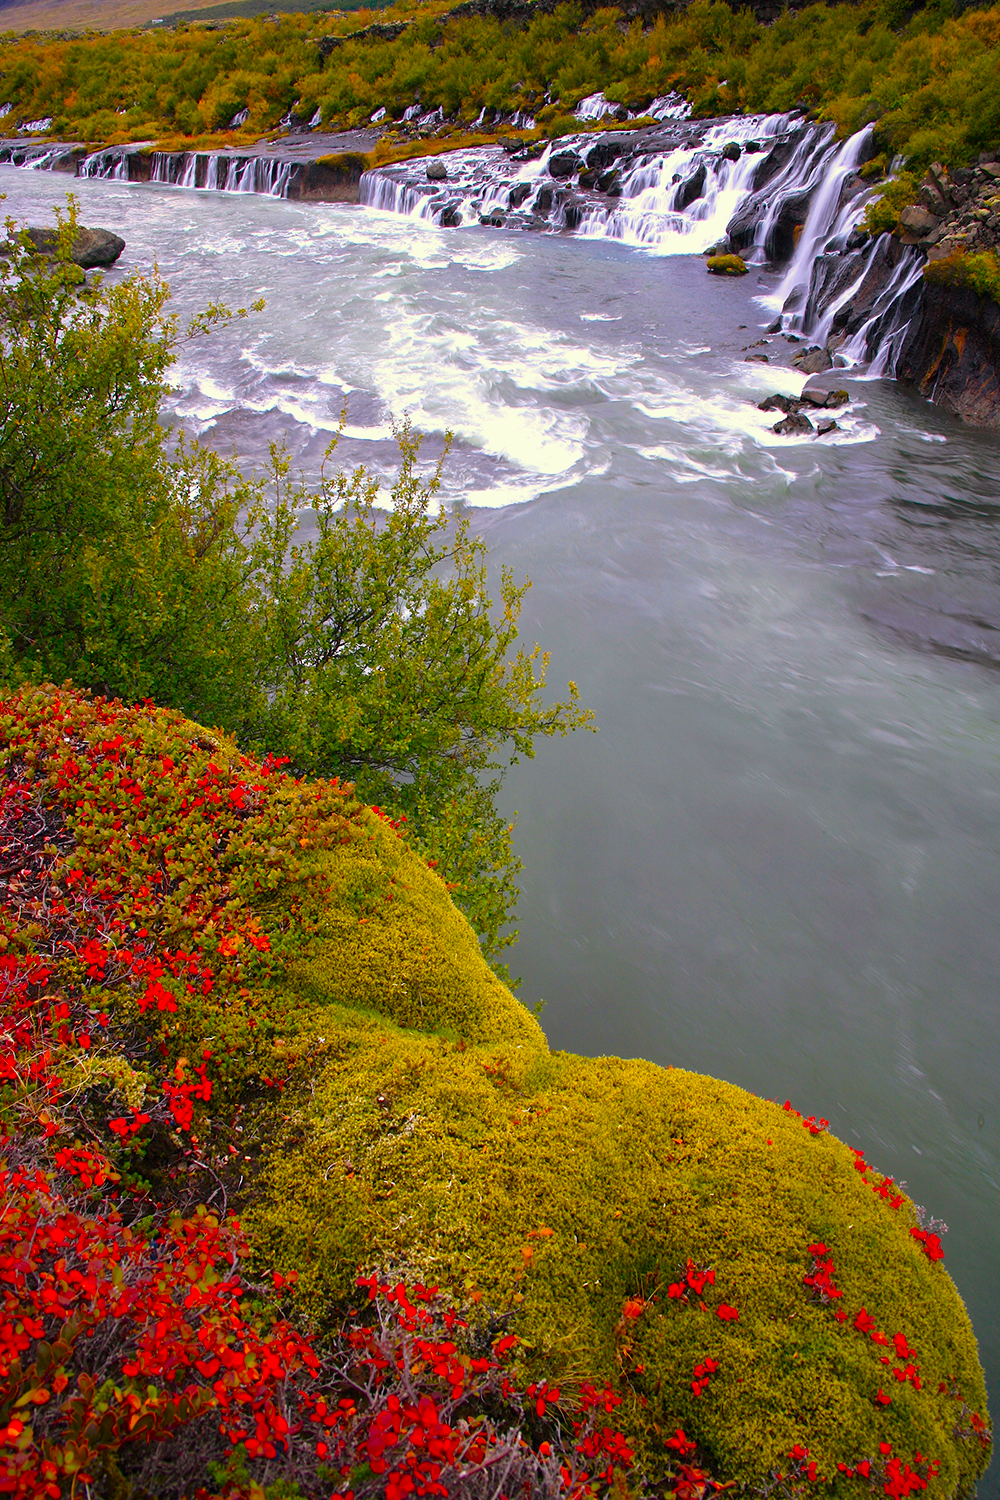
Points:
[(255, 983)]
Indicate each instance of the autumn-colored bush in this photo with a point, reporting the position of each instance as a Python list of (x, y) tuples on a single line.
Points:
[(226, 990), (979, 271)]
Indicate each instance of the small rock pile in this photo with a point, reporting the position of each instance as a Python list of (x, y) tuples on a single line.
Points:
[(958, 210), (795, 422)]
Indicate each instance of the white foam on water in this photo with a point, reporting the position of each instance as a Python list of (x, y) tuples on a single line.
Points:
[(600, 317)]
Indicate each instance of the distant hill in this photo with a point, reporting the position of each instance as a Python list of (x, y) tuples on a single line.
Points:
[(109, 15)]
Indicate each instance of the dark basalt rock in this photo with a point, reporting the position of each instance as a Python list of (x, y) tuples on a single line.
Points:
[(731, 151), (778, 157), (691, 190), (91, 247), (574, 211), (780, 242), (437, 171), (543, 200), (793, 425), (757, 359), (564, 164), (813, 361), (607, 150), (778, 402), (826, 426), (742, 227), (451, 216), (951, 353), (518, 193)]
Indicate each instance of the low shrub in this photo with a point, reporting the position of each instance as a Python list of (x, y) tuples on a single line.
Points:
[(980, 271)]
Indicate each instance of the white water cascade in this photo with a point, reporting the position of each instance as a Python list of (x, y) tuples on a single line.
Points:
[(656, 211), (112, 163), (829, 222)]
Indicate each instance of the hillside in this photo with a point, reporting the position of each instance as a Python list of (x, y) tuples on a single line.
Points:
[(926, 80)]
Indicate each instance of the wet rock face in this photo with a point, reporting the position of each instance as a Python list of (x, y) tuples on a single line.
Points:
[(564, 164), (691, 190), (951, 353)]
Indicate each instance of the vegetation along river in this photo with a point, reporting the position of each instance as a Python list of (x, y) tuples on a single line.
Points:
[(778, 861)]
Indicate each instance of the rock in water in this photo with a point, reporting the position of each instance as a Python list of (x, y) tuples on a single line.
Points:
[(793, 425), (813, 361), (564, 164), (725, 265), (778, 402), (91, 247), (731, 151), (827, 425), (437, 171)]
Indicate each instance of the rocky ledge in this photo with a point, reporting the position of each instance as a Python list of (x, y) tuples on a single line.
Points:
[(958, 210)]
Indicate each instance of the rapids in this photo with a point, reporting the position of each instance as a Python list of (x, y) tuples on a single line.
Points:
[(778, 861)]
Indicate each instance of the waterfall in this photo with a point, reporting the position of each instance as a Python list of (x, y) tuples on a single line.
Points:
[(829, 222), (112, 163), (378, 190), (680, 202)]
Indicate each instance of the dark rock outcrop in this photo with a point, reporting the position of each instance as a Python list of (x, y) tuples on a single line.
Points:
[(91, 247), (951, 353), (691, 189), (564, 164)]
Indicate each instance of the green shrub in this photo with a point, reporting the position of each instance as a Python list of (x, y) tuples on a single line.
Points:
[(883, 213), (980, 271)]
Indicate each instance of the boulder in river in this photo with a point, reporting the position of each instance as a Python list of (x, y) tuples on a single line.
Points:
[(91, 247), (827, 426), (794, 425), (813, 361), (731, 151), (778, 402), (437, 171), (725, 265)]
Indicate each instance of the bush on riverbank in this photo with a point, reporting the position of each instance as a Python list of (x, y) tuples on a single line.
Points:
[(223, 986), (141, 568)]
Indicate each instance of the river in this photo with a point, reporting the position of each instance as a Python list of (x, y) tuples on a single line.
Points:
[(778, 860)]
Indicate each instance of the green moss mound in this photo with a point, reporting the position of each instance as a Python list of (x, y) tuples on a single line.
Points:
[(734, 1269), (725, 265)]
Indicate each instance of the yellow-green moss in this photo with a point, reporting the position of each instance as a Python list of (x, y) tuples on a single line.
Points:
[(726, 265), (456, 1161)]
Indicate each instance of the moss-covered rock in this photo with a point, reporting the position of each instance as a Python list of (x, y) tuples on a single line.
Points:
[(726, 265), (736, 1270)]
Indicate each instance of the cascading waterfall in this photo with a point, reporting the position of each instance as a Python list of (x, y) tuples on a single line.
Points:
[(679, 189), (680, 203), (112, 163), (828, 224)]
